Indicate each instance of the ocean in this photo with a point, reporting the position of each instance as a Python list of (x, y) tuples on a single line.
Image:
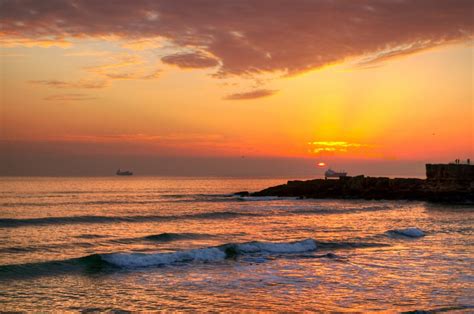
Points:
[(188, 244)]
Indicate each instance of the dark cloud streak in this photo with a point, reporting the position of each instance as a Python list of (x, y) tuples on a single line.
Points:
[(190, 60), (66, 84), (259, 93)]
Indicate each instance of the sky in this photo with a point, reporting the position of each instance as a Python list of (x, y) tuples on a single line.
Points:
[(229, 88)]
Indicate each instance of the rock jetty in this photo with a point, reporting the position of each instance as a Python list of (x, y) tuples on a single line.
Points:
[(450, 183)]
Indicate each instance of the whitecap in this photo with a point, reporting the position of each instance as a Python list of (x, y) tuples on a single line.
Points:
[(275, 247), (412, 232), (130, 260), (210, 254)]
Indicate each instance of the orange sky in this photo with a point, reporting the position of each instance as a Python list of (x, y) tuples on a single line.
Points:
[(326, 80)]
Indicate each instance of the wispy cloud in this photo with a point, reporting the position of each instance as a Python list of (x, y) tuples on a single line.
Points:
[(124, 67), (87, 53), (117, 62), (133, 76), (140, 137), (259, 93), (16, 41), (375, 59), (143, 43), (70, 97), (87, 84), (12, 55)]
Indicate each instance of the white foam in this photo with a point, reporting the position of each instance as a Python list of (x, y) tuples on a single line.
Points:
[(409, 232), (143, 260), (272, 247), (211, 254)]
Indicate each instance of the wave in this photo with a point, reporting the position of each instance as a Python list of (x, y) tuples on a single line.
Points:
[(168, 237), (165, 237), (166, 198), (86, 265), (407, 232), (442, 309), (108, 262), (21, 222), (91, 236), (351, 210), (162, 237), (263, 198), (349, 245), (210, 254), (103, 202), (196, 195)]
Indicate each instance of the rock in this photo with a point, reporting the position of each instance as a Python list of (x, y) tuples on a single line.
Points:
[(362, 187)]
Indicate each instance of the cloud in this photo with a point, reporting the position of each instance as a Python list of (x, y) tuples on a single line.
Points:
[(259, 93), (334, 146), (12, 55), (133, 76), (70, 97), (248, 37), (140, 137), (375, 59), (31, 42), (143, 44), (71, 84), (124, 67), (87, 53), (117, 62), (172, 144), (193, 60)]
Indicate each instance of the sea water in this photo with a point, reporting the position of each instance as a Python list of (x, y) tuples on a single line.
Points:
[(153, 243)]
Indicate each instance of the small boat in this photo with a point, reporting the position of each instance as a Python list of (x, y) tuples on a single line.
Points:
[(124, 173), (334, 174)]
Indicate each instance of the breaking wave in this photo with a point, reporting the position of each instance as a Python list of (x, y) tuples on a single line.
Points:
[(107, 262), (210, 254)]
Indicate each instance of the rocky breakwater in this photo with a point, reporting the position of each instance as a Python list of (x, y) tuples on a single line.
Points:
[(450, 182), (459, 188)]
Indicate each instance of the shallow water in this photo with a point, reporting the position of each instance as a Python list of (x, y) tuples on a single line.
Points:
[(150, 243)]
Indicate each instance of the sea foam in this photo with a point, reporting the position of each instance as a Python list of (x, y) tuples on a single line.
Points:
[(143, 260), (271, 247), (407, 232)]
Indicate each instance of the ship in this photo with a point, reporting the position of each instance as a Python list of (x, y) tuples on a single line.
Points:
[(334, 174), (124, 173)]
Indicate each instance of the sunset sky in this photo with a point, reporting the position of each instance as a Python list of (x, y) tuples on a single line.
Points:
[(163, 86)]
